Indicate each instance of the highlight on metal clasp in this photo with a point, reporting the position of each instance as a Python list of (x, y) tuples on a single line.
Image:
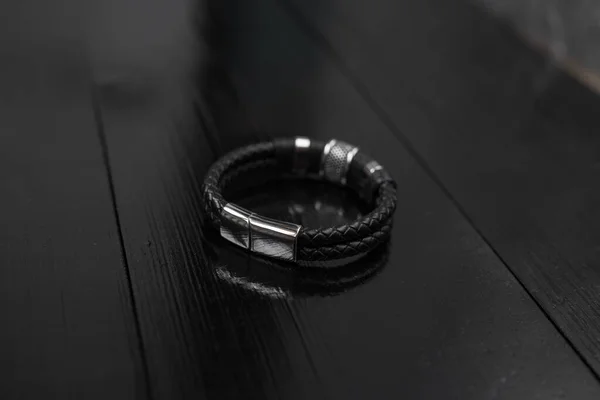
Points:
[(259, 234)]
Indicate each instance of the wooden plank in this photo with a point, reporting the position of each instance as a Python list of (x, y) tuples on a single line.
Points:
[(445, 318), (510, 136), (68, 326)]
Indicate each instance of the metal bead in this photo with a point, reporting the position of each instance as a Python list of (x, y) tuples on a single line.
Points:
[(336, 160)]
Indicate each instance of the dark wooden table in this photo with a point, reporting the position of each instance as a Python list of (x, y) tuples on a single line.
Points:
[(111, 287)]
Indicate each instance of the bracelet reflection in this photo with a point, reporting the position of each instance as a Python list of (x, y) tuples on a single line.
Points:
[(307, 203)]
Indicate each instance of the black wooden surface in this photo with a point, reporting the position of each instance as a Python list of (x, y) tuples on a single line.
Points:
[(511, 137), (68, 328), (112, 288)]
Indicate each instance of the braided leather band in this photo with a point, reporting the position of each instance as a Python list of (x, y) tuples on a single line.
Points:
[(334, 161)]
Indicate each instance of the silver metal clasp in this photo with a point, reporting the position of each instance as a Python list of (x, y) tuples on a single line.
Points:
[(235, 225), (273, 238), (259, 234)]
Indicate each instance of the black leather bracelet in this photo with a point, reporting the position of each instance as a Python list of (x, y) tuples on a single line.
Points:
[(334, 161)]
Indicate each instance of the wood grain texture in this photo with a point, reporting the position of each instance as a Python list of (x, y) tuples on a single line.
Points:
[(444, 318), (68, 329), (512, 137)]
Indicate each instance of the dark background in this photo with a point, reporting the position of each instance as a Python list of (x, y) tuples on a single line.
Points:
[(110, 287)]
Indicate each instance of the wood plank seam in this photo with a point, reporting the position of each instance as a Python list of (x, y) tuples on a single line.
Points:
[(98, 119)]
